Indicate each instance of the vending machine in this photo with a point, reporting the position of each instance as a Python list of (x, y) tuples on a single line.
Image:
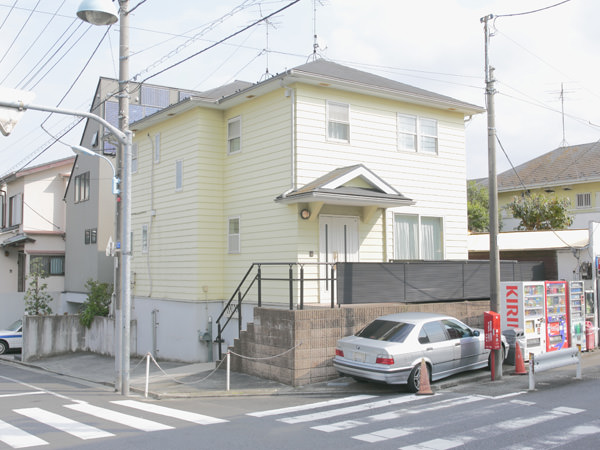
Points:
[(557, 316), (522, 305), (577, 314)]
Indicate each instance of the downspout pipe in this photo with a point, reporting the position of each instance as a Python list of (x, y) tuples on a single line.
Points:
[(291, 93)]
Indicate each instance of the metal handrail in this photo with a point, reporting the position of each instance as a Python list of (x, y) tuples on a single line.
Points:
[(240, 294)]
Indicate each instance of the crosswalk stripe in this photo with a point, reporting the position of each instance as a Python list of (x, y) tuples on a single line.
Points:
[(114, 416), (17, 438), (170, 412), (291, 409), (393, 415), (62, 423), (350, 409), (436, 444)]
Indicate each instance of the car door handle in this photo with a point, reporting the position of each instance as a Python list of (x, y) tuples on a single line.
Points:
[(457, 344), (428, 349)]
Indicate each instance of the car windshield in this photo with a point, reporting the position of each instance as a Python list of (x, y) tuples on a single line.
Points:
[(15, 326), (386, 330)]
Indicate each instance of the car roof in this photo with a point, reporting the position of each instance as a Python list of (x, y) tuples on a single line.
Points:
[(414, 317)]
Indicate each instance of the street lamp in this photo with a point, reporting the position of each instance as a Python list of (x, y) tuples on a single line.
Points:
[(86, 151), (104, 12)]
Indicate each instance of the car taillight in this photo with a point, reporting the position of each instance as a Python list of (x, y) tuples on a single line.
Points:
[(339, 353), (384, 359)]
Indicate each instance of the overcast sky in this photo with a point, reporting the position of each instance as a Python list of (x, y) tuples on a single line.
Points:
[(432, 44)]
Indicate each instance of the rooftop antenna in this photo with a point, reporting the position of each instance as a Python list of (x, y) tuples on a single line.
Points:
[(268, 23), (562, 93), (315, 54)]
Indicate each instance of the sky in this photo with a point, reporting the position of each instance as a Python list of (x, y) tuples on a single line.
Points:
[(545, 55)]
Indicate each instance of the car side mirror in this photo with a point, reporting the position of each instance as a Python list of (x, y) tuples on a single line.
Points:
[(476, 333)]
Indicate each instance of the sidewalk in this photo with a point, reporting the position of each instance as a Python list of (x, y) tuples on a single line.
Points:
[(172, 379)]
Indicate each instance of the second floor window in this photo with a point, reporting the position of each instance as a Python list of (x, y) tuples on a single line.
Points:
[(417, 134), (234, 135), (82, 187), (15, 210), (338, 121)]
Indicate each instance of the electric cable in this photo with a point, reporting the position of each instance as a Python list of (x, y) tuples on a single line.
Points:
[(33, 43), (20, 31), (8, 15), (534, 11)]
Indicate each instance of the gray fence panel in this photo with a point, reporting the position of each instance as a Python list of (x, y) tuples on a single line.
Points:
[(425, 281)]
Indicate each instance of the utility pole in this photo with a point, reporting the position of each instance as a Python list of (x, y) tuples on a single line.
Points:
[(490, 90)]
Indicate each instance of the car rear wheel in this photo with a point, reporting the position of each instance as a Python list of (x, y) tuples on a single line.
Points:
[(414, 379), (3, 347)]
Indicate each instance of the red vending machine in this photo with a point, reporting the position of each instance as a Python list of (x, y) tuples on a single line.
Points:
[(557, 316)]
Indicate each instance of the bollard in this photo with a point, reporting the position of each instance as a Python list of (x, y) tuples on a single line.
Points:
[(228, 368), (147, 374)]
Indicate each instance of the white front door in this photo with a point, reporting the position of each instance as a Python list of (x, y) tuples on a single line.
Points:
[(338, 242)]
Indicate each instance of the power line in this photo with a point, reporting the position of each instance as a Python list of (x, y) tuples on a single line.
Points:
[(19, 33), (534, 11)]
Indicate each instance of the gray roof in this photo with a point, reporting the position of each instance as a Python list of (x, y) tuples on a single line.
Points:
[(564, 165)]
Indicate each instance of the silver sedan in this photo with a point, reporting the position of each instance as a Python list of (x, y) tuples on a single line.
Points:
[(390, 349)]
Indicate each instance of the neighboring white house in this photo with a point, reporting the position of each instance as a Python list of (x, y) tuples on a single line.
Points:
[(319, 164), (32, 229)]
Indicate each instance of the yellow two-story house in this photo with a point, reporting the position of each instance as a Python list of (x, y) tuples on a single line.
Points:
[(317, 165), (571, 172)]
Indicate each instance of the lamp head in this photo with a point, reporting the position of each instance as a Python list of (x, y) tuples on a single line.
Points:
[(98, 12)]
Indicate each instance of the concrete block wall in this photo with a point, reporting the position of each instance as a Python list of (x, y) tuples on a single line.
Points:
[(297, 347)]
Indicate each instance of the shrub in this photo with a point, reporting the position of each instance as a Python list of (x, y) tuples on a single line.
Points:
[(97, 302)]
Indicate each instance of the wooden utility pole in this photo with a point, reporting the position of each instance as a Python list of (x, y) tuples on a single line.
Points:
[(493, 193)]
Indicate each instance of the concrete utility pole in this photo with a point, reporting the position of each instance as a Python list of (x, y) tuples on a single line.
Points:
[(493, 193)]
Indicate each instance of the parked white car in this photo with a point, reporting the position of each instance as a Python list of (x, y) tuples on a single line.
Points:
[(12, 337), (390, 349)]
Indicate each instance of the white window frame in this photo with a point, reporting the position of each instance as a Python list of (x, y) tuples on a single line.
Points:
[(179, 175), (418, 134), (156, 148), (233, 239), (583, 200), (145, 245), (336, 121), (15, 210), (418, 238), (232, 137)]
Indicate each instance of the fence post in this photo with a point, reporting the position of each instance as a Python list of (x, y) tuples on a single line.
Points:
[(219, 340), (302, 286), (332, 286), (259, 276), (291, 283), (239, 314)]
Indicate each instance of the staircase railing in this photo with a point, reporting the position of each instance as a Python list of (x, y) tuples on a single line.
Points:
[(254, 276)]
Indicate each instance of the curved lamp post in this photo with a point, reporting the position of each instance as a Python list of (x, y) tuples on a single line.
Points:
[(86, 151)]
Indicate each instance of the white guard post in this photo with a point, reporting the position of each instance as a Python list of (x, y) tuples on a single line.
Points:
[(552, 360)]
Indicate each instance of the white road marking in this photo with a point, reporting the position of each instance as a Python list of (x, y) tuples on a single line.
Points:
[(170, 412), (62, 423), (17, 438), (291, 409), (21, 394), (351, 409), (114, 416), (436, 444)]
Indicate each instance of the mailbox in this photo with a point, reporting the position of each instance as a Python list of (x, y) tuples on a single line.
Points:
[(491, 327)]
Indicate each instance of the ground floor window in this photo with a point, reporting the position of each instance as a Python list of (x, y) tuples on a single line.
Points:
[(49, 264), (418, 237)]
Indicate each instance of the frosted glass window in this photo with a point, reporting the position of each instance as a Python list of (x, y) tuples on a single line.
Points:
[(178, 175), (234, 135), (233, 235), (338, 121)]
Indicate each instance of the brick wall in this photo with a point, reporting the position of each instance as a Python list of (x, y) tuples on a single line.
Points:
[(297, 347)]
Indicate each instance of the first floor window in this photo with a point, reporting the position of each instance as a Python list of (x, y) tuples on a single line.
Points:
[(418, 237), (145, 238), (233, 235), (48, 264), (584, 200)]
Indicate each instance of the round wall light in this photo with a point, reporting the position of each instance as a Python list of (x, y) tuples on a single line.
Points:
[(305, 214)]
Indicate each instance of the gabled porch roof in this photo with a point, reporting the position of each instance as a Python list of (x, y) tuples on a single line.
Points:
[(347, 186)]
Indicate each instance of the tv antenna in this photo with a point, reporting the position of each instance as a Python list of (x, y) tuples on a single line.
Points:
[(561, 96), (315, 54), (267, 23)]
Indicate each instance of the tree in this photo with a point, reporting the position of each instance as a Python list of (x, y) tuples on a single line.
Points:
[(97, 302), (37, 298), (538, 212), (478, 207)]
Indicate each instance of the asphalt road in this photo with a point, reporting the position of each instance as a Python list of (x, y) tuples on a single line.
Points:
[(38, 409)]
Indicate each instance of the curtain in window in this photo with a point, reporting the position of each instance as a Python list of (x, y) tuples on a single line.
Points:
[(406, 233), (407, 132), (57, 265), (339, 119), (431, 238)]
